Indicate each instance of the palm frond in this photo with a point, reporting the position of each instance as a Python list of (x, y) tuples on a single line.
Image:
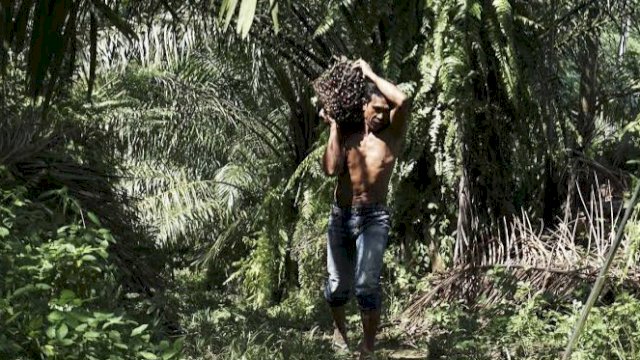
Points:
[(330, 18), (178, 205), (45, 31), (503, 45), (553, 261)]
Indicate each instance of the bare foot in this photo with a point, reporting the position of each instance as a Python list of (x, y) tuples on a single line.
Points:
[(365, 353), (339, 341)]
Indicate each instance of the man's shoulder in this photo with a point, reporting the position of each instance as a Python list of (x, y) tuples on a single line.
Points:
[(391, 137), (353, 136)]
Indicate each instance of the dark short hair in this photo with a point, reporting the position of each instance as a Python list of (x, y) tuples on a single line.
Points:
[(371, 89)]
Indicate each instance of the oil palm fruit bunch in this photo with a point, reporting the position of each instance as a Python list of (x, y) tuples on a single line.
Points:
[(341, 92)]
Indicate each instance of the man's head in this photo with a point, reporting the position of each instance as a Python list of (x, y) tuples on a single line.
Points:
[(376, 108)]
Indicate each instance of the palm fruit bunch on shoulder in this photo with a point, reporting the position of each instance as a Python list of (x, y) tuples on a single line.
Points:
[(341, 92)]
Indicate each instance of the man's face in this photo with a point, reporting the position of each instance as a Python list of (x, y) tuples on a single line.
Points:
[(376, 113)]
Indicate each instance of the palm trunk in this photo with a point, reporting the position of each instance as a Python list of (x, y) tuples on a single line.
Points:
[(552, 202), (463, 228), (626, 24), (585, 123)]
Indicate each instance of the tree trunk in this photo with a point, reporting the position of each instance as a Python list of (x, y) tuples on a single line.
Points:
[(552, 200), (624, 35), (302, 126), (486, 140), (463, 228), (585, 123)]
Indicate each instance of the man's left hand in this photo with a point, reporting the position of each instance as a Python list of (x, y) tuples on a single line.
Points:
[(326, 118)]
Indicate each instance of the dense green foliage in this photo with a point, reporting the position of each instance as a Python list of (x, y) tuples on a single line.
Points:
[(531, 328), (160, 181), (58, 284)]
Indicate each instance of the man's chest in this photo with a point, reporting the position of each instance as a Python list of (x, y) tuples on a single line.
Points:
[(369, 150)]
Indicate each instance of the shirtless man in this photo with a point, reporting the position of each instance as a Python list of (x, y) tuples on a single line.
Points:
[(362, 157)]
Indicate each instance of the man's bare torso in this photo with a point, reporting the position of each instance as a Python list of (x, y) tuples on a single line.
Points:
[(362, 155), (369, 161)]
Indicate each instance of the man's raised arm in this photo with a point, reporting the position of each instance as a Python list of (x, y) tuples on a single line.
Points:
[(398, 99)]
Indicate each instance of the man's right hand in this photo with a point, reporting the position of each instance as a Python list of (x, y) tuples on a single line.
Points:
[(326, 118)]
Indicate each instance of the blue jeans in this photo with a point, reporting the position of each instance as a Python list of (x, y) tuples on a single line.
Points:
[(356, 241)]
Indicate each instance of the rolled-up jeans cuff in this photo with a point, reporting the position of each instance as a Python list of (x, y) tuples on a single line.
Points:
[(335, 299), (369, 302)]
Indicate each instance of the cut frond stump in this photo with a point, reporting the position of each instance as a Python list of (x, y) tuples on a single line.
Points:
[(341, 92)]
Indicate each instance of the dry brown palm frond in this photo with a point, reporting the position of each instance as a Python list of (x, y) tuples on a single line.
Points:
[(554, 261)]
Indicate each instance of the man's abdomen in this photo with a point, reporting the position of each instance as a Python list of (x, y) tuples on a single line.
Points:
[(362, 190)]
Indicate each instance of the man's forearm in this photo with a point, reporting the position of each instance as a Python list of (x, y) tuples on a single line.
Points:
[(389, 90), (332, 160)]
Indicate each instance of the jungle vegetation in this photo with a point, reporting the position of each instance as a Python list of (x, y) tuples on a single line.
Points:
[(162, 196)]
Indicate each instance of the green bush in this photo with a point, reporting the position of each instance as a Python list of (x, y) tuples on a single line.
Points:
[(532, 328), (59, 295)]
